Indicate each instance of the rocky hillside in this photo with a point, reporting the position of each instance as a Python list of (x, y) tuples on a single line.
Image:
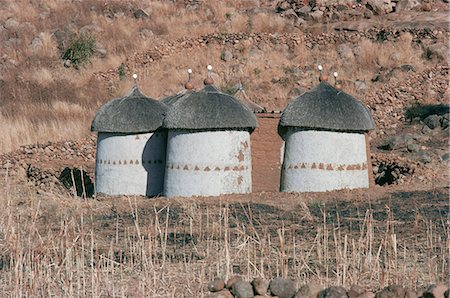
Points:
[(60, 62)]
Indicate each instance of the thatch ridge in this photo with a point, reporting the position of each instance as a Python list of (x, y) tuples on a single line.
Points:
[(133, 113), (327, 108), (209, 109)]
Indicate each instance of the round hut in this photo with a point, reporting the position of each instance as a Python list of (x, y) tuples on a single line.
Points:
[(131, 146), (325, 143), (208, 145)]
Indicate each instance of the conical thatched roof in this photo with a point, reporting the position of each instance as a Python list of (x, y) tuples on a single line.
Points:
[(327, 108), (171, 99), (209, 109), (133, 113)]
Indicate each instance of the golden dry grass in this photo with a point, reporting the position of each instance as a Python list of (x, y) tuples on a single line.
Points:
[(55, 245)]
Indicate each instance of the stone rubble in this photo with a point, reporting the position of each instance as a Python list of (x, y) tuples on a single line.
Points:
[(285, 288)]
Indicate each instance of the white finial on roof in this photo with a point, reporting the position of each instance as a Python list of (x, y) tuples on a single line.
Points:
[(322, 77), (335, 74), (189, 85), (135, 76), (209, 80)]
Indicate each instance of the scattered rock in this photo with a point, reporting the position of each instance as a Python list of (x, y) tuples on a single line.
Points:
[(426, 6), (397, 142), (61, 38), (360, 86), (333, 292), (367, 295), (260, 286), (282, 287), (230, 282), (100, 50), (11, 24), (444, 121), (392, 291), (424, 156), (407, 68), (345, 51), (221, 294), (380, 7), (226, 56), (438, 50), (435, 291), (316, 15), (355, 290), (67, 63), (403, 5), (216, 285), (432, 121), (36, 44), (140, 14), (309, 290), (242, 289), (146, 33)]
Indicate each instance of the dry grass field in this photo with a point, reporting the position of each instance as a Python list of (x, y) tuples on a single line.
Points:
[(53, 244)]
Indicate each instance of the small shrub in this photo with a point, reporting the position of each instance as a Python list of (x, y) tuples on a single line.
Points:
[(80, 49), (121, 70)]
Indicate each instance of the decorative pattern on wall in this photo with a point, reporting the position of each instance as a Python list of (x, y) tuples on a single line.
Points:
[(186, 167), (327, 166)]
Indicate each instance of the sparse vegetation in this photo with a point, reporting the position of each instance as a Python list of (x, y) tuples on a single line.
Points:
[(53, 244), (80, 50)]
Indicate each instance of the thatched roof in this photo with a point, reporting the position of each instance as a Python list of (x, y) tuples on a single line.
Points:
[(327, 108), (171, 99), (209, 109), (133, 113)]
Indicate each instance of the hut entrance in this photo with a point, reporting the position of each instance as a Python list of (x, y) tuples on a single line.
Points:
[(266, 150)]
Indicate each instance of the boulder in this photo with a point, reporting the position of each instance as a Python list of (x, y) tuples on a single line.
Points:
[(226, 56), (242, 289), (380, 7), (367, 295), (221, 294), (392, 291), (260, 286), (355, 290), (397, 142), (232, 280), (333, 292), (140, 14), (282, 287), (432, 121), (436, 291), (403, 5), (438, 50), (309, 291), (216, 285), (444, 121)]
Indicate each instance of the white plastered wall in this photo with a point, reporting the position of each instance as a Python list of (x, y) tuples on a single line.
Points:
[(130, 164), (318, 161), (207, 163)]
